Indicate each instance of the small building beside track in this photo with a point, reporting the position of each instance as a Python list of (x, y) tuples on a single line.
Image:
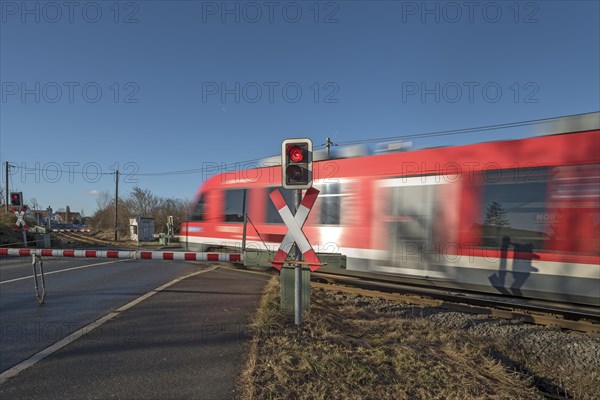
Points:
[(141, 229)]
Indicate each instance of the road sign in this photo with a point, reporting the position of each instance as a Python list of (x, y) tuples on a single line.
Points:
[(20, 221), (294, 224)]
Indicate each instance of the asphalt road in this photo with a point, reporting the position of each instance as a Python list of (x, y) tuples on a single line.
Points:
[(79, 291), (186, 341)]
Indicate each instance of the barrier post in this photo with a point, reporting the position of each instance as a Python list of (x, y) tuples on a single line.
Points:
[(35, 261)]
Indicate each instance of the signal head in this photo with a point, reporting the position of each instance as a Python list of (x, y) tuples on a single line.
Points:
[(16, 199), (296, 163)]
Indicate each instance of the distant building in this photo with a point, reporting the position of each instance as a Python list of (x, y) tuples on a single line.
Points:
[(40, 216), (68, 217)]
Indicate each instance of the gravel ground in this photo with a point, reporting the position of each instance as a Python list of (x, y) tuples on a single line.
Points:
[(565, 363)]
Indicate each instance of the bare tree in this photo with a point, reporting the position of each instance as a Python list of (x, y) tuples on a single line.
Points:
[(142, 202), (104, 200), (33, 204)]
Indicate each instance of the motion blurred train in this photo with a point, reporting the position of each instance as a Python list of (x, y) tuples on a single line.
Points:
[(518, 217)]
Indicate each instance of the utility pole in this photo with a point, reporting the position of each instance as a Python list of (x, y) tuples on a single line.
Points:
[(328, 144), (6, 187), (117, 206)]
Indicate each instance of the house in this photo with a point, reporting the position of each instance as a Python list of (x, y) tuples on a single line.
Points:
[(67, 218)]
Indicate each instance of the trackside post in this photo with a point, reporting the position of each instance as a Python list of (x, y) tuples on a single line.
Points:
[(296, 167)]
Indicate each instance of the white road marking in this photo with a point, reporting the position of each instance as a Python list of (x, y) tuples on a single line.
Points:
[(63, 270), (9, 373)]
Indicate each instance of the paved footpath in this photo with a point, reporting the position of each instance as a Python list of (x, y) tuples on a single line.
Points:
[(185, 342)]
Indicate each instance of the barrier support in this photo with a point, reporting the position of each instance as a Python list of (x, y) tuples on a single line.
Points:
[(287, 281), (35, 261), (288, 284)]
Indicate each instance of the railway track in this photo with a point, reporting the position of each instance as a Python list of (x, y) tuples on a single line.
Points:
[(84, 239), (564, 316)]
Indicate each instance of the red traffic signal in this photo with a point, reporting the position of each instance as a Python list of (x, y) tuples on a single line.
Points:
[(16, 199), (295, 154), (296, 163)]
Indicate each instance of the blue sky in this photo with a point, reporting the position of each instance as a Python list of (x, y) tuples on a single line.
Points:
[(159, 86)]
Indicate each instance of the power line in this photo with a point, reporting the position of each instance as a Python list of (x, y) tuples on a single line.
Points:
[(457, 131), (56, 170), (221, 167), (230, 167)]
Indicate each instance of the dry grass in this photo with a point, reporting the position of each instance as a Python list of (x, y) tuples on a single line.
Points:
[(552, 373), (342, 352)]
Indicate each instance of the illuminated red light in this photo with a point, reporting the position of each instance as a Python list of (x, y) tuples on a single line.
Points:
[(295, 154)]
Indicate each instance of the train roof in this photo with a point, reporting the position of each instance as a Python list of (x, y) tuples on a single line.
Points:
[(547, 127)]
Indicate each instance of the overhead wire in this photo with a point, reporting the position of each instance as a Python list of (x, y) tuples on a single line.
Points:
[(230, 167)]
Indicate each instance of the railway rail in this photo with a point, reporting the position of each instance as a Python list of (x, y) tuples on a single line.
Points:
[(86, 239), (546, 313), (89, 240)]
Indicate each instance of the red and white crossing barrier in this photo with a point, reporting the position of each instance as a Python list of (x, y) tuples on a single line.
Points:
[(72, 230), (142, 255)]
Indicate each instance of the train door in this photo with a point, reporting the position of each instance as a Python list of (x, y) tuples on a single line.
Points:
[(417, 225), (410, 224)]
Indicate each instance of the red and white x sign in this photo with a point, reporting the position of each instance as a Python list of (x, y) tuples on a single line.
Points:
[(20, 221), (294, 224)]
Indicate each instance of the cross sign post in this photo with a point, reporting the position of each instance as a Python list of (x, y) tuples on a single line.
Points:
[(296, 174), (20, 224)]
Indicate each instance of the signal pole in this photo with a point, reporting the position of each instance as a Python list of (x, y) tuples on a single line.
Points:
[(6, 187), (117, 206), (298, 270), (297, 174), (328, 144)]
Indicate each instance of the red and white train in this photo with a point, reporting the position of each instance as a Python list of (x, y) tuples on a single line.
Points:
[(519, 217)]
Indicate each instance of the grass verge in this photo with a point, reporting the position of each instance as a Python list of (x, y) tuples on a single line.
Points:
[(343, 352)]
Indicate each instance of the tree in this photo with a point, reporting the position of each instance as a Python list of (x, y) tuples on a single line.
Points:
[(33, 204), (104, 200), (495, 215), (142, 202)]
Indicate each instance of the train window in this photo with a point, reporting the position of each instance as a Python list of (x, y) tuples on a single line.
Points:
[(273, 216), (234, 205), (329, 200), (198, 211), (573, 215), (513, 200)]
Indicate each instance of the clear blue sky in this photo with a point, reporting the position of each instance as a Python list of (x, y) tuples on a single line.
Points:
[(361, 67)]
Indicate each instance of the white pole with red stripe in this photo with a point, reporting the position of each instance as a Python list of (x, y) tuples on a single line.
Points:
[(121, 254)]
